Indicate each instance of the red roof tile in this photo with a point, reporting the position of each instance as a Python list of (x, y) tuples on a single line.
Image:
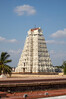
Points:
[(34, 29)]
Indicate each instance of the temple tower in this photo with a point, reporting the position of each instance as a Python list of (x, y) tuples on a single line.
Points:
[(35, 57)]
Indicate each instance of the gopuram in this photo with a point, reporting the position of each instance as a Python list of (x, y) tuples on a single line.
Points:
[(35, 57)]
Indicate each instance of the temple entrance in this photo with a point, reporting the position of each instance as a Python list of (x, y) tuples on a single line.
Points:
[(23, 70)]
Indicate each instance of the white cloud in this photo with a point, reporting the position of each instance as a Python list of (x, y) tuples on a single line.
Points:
[(57, 57), (15, 51), (25, 9), (2, 39), (59, 34), (55, 42), (52, 52), (50, 41), (59, 54), (12, 40)]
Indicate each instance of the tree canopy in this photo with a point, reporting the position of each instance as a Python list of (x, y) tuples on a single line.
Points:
[(64, 65), (4, 67)]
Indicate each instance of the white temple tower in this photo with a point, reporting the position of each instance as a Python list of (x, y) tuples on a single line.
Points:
[(35, 57)]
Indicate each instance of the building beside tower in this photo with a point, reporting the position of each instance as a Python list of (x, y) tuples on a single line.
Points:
[(35, 57)]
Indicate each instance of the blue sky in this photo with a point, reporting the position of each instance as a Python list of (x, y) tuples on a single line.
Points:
[(18, 16)]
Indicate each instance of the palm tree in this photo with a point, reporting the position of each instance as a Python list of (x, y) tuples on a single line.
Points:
[(4, 68)]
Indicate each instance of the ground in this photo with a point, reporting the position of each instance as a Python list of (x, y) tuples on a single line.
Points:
[(34, 94)]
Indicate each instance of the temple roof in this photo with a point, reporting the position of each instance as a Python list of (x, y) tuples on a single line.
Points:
[(34, 29)]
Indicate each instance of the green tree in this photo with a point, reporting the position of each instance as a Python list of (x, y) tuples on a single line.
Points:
[(4, 67), (64, 66)]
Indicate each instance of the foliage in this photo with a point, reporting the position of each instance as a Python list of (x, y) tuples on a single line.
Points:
[(4, 68), (60, 67), (64, 65)]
